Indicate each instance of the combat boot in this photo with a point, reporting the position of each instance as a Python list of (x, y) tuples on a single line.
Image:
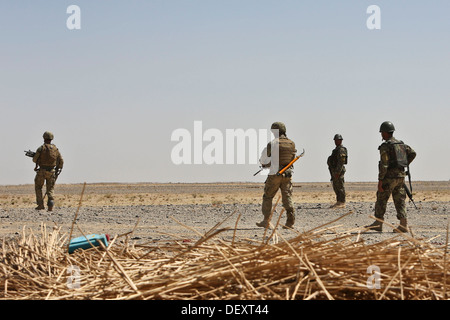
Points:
[(40, 207), (333, 205), (289, 221), (337, 205), (263, 224), (376, 226), (340, 205), (50, 204), (402, 228)]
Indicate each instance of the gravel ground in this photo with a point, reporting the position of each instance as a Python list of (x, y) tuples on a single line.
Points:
[(153, 223)]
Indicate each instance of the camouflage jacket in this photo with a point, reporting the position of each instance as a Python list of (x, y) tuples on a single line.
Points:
[(337, 160), (48, 156), (395, 156)]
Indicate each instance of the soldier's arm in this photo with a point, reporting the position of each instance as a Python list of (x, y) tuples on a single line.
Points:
[(383, 164), (37, 155), (59, 162), (265, 157), (294, 150), (411, 154)]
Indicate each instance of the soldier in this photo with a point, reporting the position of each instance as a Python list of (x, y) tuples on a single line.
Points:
[(278, 153), (395, 156), (49, 164), (336, 165)]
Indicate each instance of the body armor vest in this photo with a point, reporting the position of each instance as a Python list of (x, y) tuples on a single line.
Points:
[(49, 155)]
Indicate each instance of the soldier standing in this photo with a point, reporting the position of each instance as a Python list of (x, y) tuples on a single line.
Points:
[(395, 157), (278, 153), (49, 164), (336, 165)]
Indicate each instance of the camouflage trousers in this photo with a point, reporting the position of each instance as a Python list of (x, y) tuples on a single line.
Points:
[(273, 183), (47, 177), (395, 187), (339, 189)]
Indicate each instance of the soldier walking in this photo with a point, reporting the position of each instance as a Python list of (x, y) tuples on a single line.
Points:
[(336, 165), (278, 154), (49, 164), (395, 157)]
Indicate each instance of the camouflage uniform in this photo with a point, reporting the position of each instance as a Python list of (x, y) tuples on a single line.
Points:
[(48, 161), (392, 178), (286, 153), (336, 165)]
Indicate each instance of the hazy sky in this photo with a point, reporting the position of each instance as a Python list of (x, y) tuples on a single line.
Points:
[(114, 91)]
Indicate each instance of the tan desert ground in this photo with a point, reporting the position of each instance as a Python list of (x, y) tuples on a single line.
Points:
[(115, 200), (107, 194)]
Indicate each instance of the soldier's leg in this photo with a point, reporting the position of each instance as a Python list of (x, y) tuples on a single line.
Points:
[(286, 196), (399, 196), (338, 188), (341, 195), (338, 185), (38, 184), (380, 206), (270, 189), (382, 199), (335, 188), (50, 187)]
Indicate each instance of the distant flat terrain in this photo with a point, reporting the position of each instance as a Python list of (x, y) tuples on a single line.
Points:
[(104, 194), (156, 212)]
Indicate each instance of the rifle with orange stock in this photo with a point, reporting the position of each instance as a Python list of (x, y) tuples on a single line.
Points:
[(279, 173)]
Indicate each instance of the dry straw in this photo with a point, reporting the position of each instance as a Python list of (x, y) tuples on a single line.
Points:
[(319, 264)]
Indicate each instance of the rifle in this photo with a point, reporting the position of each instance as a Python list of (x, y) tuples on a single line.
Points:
[(279, 173), (30, 153), (258, 171), (409, 191), (410, 196), (57, 172)]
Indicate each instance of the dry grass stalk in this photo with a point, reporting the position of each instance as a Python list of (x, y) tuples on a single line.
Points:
[(319, 264)]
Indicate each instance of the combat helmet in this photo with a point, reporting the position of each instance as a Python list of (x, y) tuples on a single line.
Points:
[(387, 126), (280, 126), (337, 137), (48, 135)]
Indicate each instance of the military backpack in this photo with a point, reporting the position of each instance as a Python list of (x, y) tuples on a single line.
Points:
[(49, 155), (398, 155)]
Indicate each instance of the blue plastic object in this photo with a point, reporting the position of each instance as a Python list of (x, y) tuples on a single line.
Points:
[(83, 243)]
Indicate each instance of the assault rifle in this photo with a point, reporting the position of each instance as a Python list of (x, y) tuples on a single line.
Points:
[(409, 191), (262, 168), (280, 172), (410, 196), (30, 153)]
